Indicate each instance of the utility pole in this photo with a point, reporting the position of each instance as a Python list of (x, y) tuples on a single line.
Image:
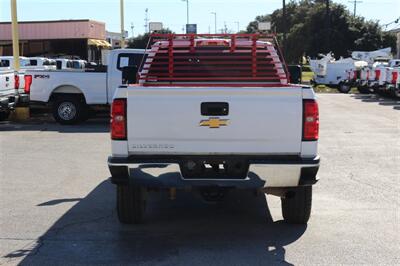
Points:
[(237, 24), (187, 11), (15, 34), (146, 20), (284, 25), (215, 21), (355, 2), (122, 24)]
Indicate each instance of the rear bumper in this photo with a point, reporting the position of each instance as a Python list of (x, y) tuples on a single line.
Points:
[(162, 171), (23, 100), (7, 102)]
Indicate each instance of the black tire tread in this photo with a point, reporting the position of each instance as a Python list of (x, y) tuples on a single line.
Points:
[(130, 204), (297, 209), (81, 109), (4, 115)]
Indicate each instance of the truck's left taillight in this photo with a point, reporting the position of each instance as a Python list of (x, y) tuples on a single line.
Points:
[(118, 119), (28, 83), (377, 74), (310, 120), (16, 82)]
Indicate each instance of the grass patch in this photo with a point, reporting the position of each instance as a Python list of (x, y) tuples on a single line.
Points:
[(306, 76), (326, 89)]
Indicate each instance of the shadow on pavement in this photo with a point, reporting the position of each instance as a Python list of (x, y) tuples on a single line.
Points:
[(98, 125), (42, 120), (382, 100), (237, 231), (58, 201)]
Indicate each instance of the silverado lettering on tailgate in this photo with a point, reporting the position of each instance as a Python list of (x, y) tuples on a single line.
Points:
[(152, 146)]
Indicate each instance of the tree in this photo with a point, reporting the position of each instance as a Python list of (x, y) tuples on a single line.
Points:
[(141, 41), (307, 30)]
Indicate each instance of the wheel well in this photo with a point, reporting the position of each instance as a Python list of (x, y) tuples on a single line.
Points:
[(66, 90)]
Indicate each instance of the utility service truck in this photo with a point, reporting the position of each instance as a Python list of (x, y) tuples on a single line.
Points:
[(212, 113)]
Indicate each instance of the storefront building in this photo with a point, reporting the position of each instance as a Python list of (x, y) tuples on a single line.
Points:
[(84, 39)]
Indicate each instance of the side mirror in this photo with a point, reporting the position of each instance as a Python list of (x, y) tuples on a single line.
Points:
[(295, 74), (129, 74)]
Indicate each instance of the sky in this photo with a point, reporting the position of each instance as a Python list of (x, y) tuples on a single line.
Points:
[(172, 13)]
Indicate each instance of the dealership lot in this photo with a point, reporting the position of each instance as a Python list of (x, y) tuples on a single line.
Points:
[(58, 207)]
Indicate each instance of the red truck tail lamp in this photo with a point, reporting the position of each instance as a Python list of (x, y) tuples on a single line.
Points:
[(28, 83), (118, 119), (395, 76), (310, 120), (16, 82), (377, 74)]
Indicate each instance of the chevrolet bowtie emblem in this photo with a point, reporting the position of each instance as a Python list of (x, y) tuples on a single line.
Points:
[(214, 122)]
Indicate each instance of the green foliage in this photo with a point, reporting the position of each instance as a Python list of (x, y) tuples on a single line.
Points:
[(141, 41), (311, 31)]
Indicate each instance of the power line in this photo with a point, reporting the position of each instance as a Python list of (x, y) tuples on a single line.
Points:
[(355, 2)]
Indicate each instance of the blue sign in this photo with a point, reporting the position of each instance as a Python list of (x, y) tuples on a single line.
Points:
[(191, 28)]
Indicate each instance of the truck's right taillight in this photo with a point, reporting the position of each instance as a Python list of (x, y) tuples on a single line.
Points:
[(16, 82), (310, 120), (394, 77), (28, 83), (118, 119)]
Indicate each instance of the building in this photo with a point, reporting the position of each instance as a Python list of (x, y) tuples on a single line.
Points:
[(84, 39), (114, 38)]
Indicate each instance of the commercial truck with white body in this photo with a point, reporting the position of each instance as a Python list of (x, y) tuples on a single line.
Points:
[(71, 92), (213, 113)]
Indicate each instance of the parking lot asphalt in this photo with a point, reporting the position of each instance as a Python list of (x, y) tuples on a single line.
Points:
[(58, 207)]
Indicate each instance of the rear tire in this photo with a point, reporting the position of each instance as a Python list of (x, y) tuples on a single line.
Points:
[(296, 208), (69, 109), (397, 93), (4, 115), (363, 90), (131, 204), (344, 88)]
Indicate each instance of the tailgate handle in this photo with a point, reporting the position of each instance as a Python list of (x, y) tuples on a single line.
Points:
[(214, 108)]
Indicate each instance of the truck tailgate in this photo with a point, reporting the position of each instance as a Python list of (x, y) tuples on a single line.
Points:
[(6, 83), (169, 120)]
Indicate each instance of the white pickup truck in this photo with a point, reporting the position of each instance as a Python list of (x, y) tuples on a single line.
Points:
[(212, 113), (7, 93), (71, 92)]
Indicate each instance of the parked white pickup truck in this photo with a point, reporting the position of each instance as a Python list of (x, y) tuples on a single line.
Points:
[(393, 82), (211, 113), (7, 93), (70, 93)]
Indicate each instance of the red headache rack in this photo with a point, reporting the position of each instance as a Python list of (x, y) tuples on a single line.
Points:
[(213, 60)]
